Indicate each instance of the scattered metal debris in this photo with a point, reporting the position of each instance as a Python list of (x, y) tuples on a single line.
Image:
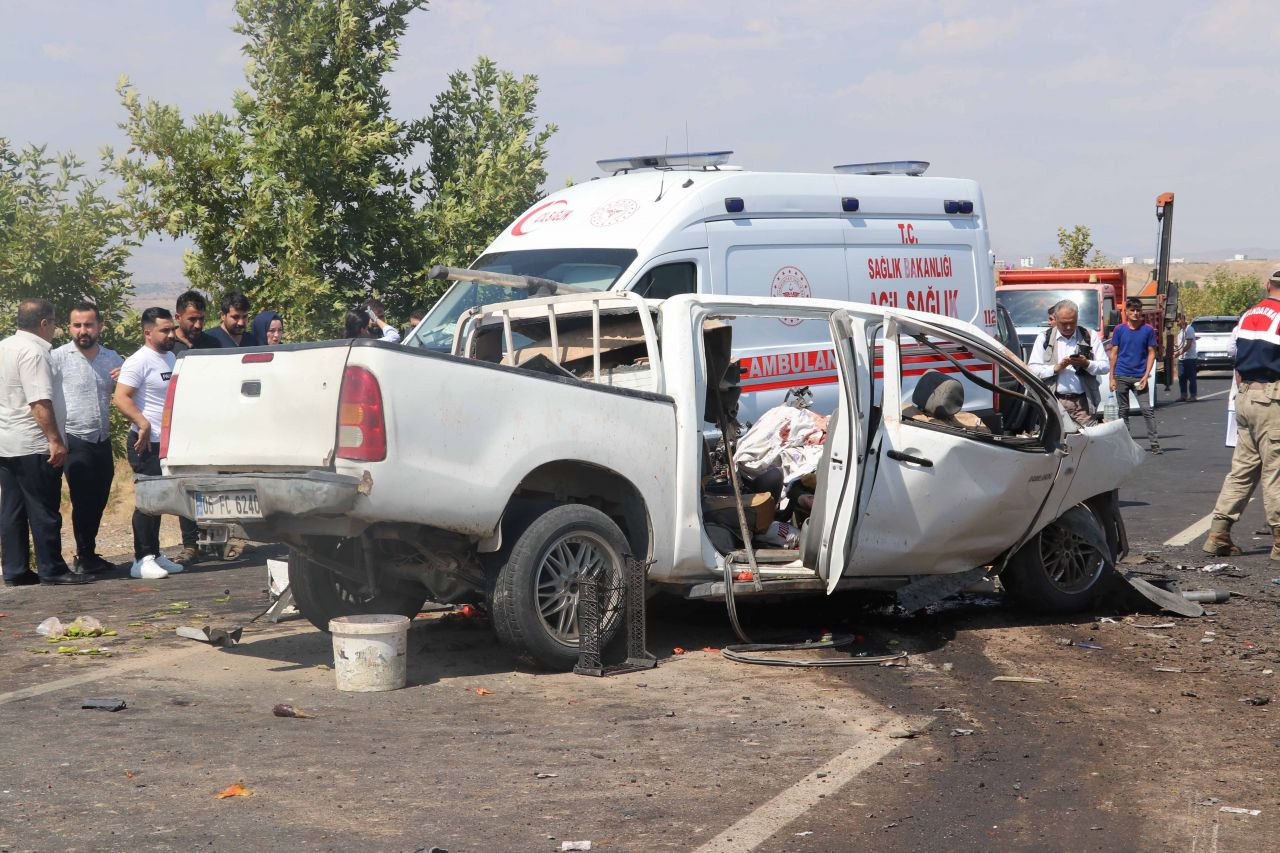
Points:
[(213, 636), (112, 704)]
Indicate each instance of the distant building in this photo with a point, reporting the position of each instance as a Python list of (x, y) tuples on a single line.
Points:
[(1148, 260), (1177, 260), (1239, 257), (1126, 260), (1027, 263)]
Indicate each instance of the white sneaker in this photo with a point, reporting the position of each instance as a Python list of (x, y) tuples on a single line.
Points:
[(169, 565), (147, 568)]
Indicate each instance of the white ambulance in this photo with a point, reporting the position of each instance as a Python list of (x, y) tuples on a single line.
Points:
[(877, 233)]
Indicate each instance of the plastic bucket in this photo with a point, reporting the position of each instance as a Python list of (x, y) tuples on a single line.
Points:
[(369, 652)]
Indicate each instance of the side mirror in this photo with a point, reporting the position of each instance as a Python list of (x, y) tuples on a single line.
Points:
[(1115, 318)]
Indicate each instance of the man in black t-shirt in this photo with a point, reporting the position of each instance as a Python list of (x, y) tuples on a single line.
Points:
[(188, 319), (233, 330)]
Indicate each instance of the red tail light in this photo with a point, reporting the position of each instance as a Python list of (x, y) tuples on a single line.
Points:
[(362, 432), (166, 420)]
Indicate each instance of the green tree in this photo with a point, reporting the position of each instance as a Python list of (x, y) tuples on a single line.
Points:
[(306, 195), (1076, 250), (62, 239), (486, 160), (1223, 293)]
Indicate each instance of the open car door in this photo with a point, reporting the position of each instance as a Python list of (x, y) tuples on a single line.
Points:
[(940, 494)]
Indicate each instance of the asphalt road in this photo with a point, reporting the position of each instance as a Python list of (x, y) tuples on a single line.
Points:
[(1132, 745)]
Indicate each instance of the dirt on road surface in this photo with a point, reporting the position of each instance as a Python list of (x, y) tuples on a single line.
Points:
[(1136, 745)]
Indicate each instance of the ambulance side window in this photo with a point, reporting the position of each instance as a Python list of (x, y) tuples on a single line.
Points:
[(669, 280)]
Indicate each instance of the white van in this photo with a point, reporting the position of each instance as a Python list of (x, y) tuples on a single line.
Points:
[(690, 223)]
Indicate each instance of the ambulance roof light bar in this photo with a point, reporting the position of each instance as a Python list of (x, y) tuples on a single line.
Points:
[(692, 160), (915, 168)]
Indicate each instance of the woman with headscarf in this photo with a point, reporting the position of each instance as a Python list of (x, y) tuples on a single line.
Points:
[(268, 328)]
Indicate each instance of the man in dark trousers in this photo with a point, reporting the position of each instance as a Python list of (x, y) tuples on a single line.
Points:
[(140, 394), (32, 452), (1133, 353), (1256, 458), (188, 319), (86, 372), (232, 331)]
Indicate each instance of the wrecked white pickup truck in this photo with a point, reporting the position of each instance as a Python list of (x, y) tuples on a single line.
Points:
[(565, 433)]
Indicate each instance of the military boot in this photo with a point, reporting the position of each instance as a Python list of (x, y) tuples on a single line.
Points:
[(1275, 545), (1219, 543)]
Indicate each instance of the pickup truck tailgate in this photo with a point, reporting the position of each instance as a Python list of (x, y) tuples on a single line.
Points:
[(256, 409)]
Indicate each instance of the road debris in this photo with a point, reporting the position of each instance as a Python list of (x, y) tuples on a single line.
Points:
[(213, 636), (574, 845), (235, 790), (1207, 596), (285, 710), (1020, 679), (1256, 701), (480, 691), (112, 704), (901, 734), (546, 775), (961, 732), (1238, 810)]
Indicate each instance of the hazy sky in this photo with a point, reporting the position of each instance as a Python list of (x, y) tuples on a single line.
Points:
[(1066, 112)]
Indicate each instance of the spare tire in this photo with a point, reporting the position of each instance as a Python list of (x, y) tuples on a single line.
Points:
[(323, 594)]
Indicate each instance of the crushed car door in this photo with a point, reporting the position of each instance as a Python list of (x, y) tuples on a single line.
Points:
[(845, 459), (950, 490)]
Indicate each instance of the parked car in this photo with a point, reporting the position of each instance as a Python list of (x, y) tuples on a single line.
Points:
[(1213, 342), (563, 433)]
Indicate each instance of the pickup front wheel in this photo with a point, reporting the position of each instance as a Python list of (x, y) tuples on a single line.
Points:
[(534, 593), (1060, 568), (323, 594)]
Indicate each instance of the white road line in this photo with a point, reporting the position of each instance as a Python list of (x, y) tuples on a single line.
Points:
[(756, 828), (1195, 531), (1214, 394)]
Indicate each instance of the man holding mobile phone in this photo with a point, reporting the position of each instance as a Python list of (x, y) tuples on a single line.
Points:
[(1070, 358)]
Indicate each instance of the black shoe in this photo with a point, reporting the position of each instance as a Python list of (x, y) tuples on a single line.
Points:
[(65, 579), (92, 565), (27, 579)]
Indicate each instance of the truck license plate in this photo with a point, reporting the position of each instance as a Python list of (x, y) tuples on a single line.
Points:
[(213, 505)]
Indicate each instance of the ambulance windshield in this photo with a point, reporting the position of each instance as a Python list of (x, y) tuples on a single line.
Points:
[(593, 269)]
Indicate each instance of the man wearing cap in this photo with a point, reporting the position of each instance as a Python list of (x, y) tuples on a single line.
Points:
[(1256, 341)]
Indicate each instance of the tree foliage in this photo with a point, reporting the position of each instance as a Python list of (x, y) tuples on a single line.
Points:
[(486, 159), (62, 239), (1076, 250), (1222, 293), (309, 195)]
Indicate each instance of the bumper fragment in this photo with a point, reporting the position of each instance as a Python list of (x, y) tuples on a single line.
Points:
[(313, 493)]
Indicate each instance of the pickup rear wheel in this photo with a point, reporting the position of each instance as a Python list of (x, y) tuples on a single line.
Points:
[(534, 593), (323, 594), (1060, 568)]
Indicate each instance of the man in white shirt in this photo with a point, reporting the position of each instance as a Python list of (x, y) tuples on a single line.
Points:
[(140, 395), (86, 372), (1184, 350), (32, 452), (1070, 360)]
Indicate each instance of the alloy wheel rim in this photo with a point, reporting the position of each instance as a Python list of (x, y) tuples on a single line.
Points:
[(1071, 564), (562, 566)]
